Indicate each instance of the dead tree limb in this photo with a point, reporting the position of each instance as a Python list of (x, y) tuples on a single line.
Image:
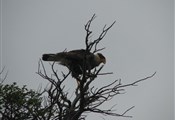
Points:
[(95, 42), (87, 97)]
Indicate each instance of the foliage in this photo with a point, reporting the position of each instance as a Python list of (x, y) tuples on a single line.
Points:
[(19, 103)]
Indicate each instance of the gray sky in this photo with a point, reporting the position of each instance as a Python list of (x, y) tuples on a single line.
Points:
[(140, 43)]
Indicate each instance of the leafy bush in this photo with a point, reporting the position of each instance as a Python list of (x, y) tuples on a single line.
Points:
[(19, 103)]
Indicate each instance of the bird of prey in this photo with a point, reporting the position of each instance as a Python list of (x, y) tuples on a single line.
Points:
[(74, 60)]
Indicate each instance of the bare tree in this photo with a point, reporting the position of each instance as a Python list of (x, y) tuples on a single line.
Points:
[(86, 98)]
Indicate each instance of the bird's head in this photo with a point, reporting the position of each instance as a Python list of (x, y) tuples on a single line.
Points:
[(102, 59)]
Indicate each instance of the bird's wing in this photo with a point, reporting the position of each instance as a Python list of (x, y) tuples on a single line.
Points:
[(79, 54)]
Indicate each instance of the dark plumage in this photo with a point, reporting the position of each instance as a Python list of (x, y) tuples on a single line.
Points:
[(73, 60)]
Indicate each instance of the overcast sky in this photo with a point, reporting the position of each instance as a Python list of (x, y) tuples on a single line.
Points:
[(140, 43)]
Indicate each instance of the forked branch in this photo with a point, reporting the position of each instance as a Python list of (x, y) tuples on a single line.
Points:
[(95, 42), (87, 97)]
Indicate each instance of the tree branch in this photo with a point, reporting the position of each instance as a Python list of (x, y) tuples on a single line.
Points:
[(87, 97), (95, 42), (4, 78)]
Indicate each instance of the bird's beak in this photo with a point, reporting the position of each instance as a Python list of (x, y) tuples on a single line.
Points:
[(104, 61)]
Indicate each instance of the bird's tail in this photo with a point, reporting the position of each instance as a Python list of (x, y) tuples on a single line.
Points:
[(48, 57), (53, 57)]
